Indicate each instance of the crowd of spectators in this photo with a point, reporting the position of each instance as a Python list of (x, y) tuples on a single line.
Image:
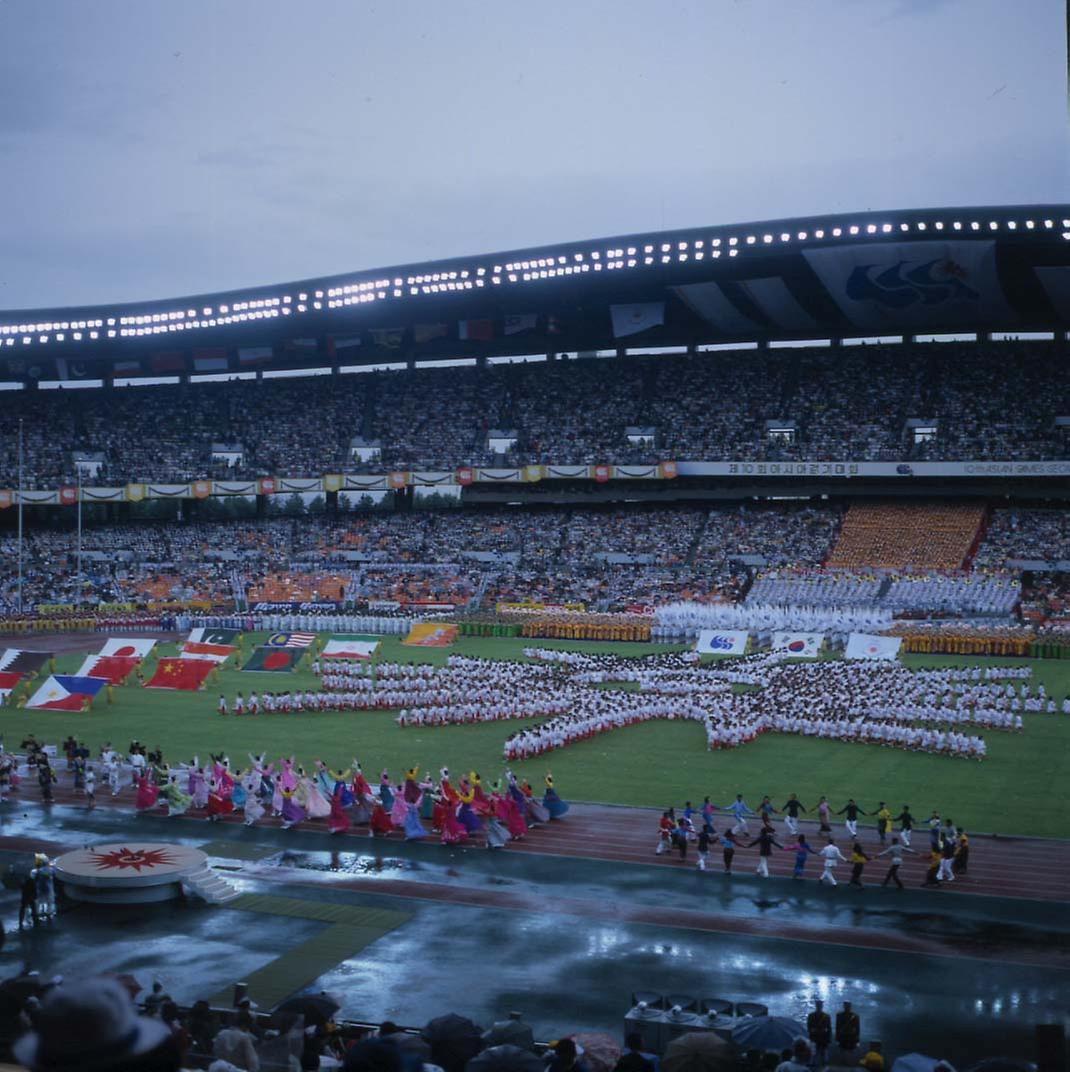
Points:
[(607, 558), (1037, 534), (842, 403)]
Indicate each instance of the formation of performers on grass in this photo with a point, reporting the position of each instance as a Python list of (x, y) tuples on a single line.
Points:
[(569, 697), (417, 806), (948, 845)]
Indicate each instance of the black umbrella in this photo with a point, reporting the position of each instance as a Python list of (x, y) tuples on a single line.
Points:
[(317, 1009), (505, 1058), (454, 1039)]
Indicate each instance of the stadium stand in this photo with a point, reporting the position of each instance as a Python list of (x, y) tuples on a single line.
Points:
[(907, 536), (851, 403)]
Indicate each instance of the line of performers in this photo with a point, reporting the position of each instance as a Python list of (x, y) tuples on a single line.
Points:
[(502, 812)]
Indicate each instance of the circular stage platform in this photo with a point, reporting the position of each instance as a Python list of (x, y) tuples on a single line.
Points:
[(128, 872)]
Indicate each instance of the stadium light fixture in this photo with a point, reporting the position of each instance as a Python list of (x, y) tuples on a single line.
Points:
[(750, 240), (716, 253), (993, 225), (732, 252), (922, 226), (801, 236), (1066, 236), (854, 228), (836, 232), (648, 260), (1049, 224), (1012, 225), (1029, 224), (871, 228), (819, 233), (939, 225), (974, 225), (886, 228)]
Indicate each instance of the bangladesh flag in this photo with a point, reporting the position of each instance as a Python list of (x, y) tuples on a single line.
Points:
[(23, 662), (273, 659), (184, 674), (213, 636)]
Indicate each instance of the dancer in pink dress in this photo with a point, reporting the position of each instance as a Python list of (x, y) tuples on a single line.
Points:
[(147, 792)]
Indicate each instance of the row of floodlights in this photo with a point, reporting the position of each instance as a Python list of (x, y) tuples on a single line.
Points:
[(577, 263)]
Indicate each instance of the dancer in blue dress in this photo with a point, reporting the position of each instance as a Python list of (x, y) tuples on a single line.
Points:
[(551, 801)]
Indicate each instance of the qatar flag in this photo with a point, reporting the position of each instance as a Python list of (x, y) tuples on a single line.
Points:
[(127, 647)]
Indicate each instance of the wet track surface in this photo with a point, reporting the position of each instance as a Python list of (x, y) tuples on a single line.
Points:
[(568, 923)]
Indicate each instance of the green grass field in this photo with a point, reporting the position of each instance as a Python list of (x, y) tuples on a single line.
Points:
[(1015, 790)]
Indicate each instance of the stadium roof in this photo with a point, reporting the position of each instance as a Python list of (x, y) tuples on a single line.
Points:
[(861, 274)]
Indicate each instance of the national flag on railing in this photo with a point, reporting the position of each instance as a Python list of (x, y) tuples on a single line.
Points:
[(113, 668), (64, 692), (254, 355), (213, 360), (517, 323), (186, 675), (167, 361), (275, 660), (632, 319), (475, 330), (427, 332), (289, 640)]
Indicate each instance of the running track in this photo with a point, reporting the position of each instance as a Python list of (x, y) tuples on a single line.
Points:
[(1032, 868)]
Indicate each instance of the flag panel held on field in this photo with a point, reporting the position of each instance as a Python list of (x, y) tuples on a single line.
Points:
[(273, 660)]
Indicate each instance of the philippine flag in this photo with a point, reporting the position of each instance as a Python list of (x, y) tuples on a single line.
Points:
[(63, 693)]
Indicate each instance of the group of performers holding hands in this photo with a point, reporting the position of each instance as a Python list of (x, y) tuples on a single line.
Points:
[(949, 846)]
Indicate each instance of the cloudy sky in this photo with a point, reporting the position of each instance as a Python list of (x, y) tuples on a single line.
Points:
[(152, 149)]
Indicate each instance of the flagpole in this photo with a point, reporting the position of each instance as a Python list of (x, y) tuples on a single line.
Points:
[(78, 590), (18, 595)]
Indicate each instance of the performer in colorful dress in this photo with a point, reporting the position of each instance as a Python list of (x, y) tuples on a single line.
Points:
[(466, 815), (292, 812), (314, 803), (380, 821), (362, 796), (551, 801), (254, 808), (534, 810), (177, 801), (386, 794), (497, 834), (147, 792), (219, 804), (506, 809), (338, 821)]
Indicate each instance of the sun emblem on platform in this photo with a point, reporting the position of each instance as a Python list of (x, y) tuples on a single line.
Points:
[(133, 859)]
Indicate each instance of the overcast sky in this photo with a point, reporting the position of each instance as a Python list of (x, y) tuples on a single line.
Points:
[(153, 149)]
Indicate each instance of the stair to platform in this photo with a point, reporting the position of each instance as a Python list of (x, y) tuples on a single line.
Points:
[(212, 889)]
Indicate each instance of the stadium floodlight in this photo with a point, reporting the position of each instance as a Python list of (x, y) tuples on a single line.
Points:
[(750, 240), (993, 225), (682, 257), (681, 245), (631, 249), (317, 305), (801, 236), (648, 260), (595, 254), (26, 340), (939, 225), (957, 225), (648, 249), (42, 338), (60, 336), (1049, 224), (733, 241), (224, 309), (1012, 225), (665, 247), (836, 232), (785, 237), (871, 228), (732, 252), (922, 226), (111, 334), (974, 225), (1066, 223), (716, 253), (319, 293), (77, 336), (819, 233), (767, 238), (1029, 224), (1066, 236), (665, 259), (854, 228), (886, 228), (111, 321)]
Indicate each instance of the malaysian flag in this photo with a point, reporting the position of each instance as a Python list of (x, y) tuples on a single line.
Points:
[(289, 640)]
